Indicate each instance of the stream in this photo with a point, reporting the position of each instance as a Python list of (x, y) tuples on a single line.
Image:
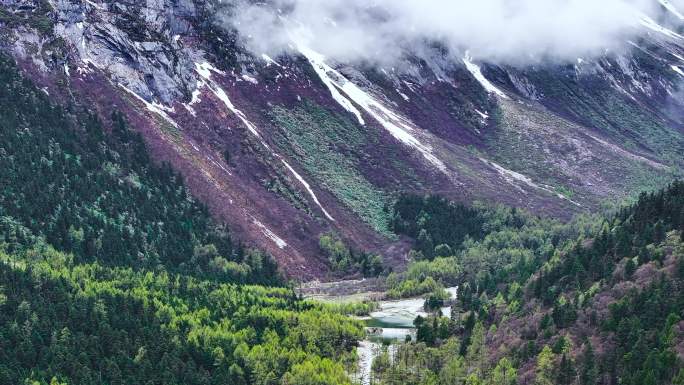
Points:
[(392, 322)]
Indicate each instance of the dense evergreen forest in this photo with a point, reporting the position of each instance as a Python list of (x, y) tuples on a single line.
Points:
[(77, 323), (599, 300), (90, 189), (110, 273)]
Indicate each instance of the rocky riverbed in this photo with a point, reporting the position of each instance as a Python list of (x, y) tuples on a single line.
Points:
[(392, 322)]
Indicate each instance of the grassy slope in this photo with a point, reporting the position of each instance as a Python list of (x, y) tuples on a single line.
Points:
[(329, 148)]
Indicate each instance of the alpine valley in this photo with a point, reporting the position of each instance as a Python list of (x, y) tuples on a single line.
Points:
[(178, 207)]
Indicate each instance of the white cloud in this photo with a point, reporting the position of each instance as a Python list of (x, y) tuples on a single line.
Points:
[(510, 31)]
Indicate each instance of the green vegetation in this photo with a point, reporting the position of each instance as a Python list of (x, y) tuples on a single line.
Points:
[(423, 277), (420, 363), (526, 131), (543, 296), (346, 261), (595, 104), (91, 324), (358, 309), (322, 142), (434, 222), (110, 273), (436, 300), (549, 135), (35, 15), (456, 242)]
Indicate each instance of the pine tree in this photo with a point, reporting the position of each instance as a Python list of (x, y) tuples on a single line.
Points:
[(659, 232), (545, 365), (679, 378), (630, 267), (566, 371), (504, 373), (623, 244), (539, 284), (454, 371), (644, 256), (425, 244), (476, 349), (443, 250), (589, 373)]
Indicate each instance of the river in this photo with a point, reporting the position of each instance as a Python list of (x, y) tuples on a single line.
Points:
[(392, 322)]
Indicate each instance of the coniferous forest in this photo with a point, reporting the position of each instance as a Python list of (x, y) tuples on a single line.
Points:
[(598, 300), (110, 273)]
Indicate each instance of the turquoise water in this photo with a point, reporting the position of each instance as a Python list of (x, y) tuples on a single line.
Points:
[(393, 321), (395, 318)]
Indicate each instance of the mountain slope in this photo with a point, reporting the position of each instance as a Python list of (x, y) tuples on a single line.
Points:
[(89, 188), (286, 149), (594, 301), (111, 273)]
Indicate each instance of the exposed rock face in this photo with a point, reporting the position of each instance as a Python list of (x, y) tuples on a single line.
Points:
[(287, 149), (137, 44)]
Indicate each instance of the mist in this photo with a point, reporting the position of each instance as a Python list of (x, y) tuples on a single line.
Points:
[(384, 31)]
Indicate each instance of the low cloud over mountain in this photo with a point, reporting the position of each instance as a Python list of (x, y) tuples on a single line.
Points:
[(381, 31)]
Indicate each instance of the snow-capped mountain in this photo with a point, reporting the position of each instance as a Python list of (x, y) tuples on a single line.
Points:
[(286, 148)]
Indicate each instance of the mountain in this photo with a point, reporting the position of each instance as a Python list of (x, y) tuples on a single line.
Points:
[(285, 150), (167, 178)]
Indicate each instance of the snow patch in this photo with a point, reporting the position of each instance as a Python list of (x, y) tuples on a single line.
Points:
[(322, 70), (410, 86), (269, 60), (670, 7), (307, 187), (190, 110), (195, 97), (511, 177), (86, 68), (217, 164), (271, 235), (652, 25), (677, 70), (477, 73), (157, 108), (482, 114), (621, 151), (205, 70), (194, 100), (95, 5), (399, 127), (250, 79)]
